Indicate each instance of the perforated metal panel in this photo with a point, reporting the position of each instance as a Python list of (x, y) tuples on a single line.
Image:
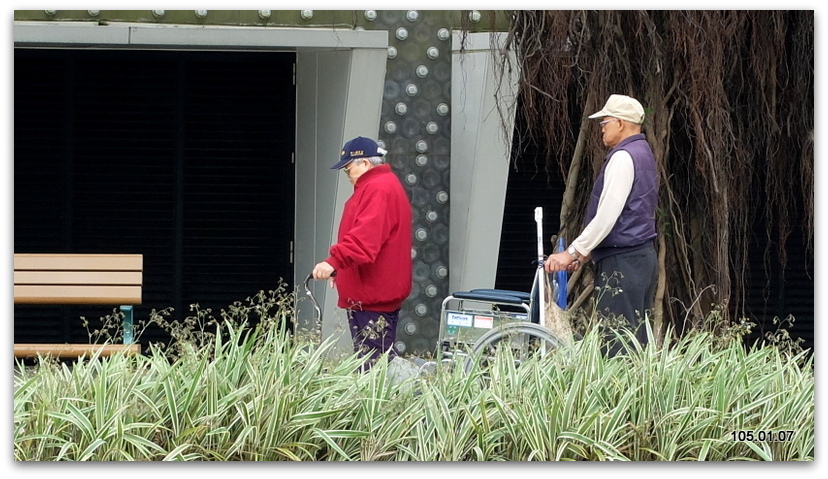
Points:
[(415, 129)]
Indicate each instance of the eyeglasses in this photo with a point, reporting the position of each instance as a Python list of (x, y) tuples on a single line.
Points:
[(607, 121), (352, 163)]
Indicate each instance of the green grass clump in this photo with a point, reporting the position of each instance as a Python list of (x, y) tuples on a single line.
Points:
[(261, 394)]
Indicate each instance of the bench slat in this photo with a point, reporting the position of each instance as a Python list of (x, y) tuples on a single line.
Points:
[(78, 262), (115, 295), (24, 350), (113, 278)]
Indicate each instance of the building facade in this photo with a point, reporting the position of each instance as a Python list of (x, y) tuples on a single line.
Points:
[(203, 140)]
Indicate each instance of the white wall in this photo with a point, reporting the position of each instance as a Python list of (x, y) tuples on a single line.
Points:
[(339, 97), (480, 150)]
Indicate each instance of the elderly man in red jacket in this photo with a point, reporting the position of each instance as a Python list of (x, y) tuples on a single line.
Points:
[(372, 256)]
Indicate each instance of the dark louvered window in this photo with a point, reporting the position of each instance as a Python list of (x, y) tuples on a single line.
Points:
[(184, 157), (529, 186)]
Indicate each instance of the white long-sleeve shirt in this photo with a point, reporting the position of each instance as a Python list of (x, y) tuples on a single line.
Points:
[(618, 180)]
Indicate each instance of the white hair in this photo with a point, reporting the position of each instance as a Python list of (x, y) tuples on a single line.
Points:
[(376, 160)]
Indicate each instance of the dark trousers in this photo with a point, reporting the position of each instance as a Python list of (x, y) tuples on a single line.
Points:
[(625, 286), (373, 333)]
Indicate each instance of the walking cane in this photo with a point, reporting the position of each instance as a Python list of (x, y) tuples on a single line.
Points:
[(316, 308)]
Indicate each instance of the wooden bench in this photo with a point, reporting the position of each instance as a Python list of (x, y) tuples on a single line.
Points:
[(79, 279)]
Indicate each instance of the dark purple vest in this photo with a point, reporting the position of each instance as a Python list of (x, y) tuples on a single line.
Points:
[(636, 224)]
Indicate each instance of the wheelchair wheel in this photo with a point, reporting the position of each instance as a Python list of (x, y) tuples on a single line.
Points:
[(524, 339)]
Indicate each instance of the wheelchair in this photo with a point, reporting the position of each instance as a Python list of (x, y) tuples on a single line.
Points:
[(475, 323)]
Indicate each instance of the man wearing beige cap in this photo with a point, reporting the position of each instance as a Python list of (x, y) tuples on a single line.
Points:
[(620, 230)]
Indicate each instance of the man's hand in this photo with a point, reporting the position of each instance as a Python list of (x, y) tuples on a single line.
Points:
[(323, 270), (561, 262)]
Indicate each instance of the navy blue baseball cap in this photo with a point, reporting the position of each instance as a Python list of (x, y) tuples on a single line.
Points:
[(359, 147)]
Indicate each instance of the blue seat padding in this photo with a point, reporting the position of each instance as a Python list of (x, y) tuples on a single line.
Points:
[(492, 297), (520, 294)]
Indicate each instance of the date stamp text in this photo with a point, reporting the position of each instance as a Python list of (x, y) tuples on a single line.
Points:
[(762, 436)]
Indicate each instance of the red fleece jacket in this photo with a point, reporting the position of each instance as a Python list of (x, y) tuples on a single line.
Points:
[(372, 256)]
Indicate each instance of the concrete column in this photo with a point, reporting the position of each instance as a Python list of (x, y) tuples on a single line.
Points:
[(339, 96), (480, 158)]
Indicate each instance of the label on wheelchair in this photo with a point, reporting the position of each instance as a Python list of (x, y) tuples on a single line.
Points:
[(467, 327), (484, 322), (459, 319)]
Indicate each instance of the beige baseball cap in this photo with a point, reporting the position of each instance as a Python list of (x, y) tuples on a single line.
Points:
[(622, 107)]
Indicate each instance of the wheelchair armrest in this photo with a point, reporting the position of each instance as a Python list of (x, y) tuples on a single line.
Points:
[(491, 297), (520, 294)]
